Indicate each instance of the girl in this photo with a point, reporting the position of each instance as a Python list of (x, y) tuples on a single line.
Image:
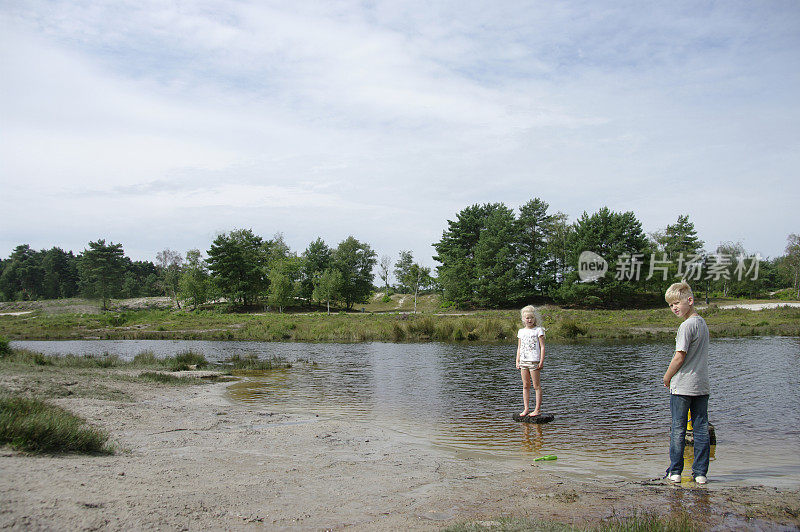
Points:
[(530, 357)]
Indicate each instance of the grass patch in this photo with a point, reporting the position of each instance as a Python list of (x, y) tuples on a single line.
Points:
[(638, 522), (242, 365), (5, 348), (649, 522), (166, 378), (34, 426), (186, 360)]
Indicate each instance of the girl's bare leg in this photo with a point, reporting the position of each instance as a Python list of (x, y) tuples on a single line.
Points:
[(526, 390), (535, 378)]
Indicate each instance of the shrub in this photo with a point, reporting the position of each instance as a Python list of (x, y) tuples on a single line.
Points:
[(444, 331), (570, 329), (35, 426), (398, 333), (146, 358), (5, 347), (185, 360), (386, 298)]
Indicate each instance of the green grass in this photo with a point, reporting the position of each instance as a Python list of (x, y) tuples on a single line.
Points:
[(481, 326), (243, 365), (34, 426), (166, 378), (638, 522)]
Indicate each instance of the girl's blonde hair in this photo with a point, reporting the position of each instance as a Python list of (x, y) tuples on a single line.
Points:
[(531, 310)]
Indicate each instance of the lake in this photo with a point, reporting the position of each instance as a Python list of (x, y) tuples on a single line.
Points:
[(612, 412)]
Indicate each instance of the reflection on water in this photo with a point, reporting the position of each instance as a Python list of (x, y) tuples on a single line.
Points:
[(612, 413)]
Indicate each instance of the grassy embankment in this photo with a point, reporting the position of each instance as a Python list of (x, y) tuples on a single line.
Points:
[(480, 326), (30, 382)]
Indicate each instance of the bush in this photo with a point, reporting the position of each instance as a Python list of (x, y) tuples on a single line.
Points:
[(35, 426), (569, 328), (5, 347), (398, 333), (386, 298), (146, 358), (185, 360)]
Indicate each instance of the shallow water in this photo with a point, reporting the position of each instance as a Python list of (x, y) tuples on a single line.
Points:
[(612, 413)]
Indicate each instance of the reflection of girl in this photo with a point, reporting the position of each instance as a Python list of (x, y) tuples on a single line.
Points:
[(530, 358)]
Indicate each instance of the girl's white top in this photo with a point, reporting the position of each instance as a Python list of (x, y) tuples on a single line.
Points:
[(529, 344)]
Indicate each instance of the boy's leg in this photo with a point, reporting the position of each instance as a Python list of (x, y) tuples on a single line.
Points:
[(679, 406), (526, 390), (535, 374), (702, 448)]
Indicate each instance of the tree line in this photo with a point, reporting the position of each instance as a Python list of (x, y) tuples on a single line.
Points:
[(493, 256), (490, 256), (240, 267)]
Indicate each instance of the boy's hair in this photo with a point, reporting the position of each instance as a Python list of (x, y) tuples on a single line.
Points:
[(678, 292), (530, 309)]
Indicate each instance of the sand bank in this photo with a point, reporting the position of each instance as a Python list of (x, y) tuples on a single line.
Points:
[(189, 459)]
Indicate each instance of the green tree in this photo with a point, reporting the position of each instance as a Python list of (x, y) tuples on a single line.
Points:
[(460, 271), (22, 274), (418, 278), (101, 268), (60, 274), (169, 264), (316, 259), (328, 286), (194, 285), (496, 282), (674, 248), (280, 289), (558, 248), (791, 261), (355, 261), (619, 239), (534, 230), (237, 263), (402, 269)]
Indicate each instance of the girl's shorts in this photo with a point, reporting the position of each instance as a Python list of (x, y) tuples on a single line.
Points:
[(529, 365)]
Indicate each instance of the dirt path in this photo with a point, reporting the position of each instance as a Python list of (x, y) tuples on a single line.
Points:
[(192, 460)]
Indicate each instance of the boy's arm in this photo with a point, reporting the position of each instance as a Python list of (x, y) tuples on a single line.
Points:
[(541, 351), (674, 366), (519, 345)]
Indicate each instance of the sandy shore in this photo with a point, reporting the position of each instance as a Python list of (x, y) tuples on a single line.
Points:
[(190, 459)]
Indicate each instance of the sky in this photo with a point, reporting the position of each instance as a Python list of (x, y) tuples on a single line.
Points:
[(164, 124)]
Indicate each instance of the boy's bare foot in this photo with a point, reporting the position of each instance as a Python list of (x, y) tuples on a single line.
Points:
[(534, 413), (523, 413)]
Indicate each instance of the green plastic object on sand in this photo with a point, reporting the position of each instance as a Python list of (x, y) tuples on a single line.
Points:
[(546, 457)]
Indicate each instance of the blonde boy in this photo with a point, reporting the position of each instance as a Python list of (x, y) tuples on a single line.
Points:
[(687, 380), (530, 358)]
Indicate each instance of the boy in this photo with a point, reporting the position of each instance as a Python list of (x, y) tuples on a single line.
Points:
[(687, 380)]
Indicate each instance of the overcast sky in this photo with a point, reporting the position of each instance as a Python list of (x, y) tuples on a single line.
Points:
[(162, 124)]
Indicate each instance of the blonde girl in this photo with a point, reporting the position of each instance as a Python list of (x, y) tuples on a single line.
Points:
[(530, 358)]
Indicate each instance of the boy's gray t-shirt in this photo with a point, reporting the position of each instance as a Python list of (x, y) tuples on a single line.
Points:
[(692, 377)]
